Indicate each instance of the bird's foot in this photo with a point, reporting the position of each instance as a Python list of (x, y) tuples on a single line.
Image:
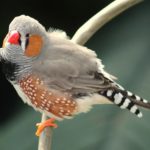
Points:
[(41, 126)]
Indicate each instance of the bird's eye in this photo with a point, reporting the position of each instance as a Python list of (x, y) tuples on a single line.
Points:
[(33, 45), (19, 41), (27, 40)]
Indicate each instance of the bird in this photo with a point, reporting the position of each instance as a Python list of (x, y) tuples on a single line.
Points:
[(58, 77)]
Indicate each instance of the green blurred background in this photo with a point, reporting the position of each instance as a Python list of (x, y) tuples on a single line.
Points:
[(123, 45)]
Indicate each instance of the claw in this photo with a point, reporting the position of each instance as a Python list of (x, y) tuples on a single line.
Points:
[(48, 123)]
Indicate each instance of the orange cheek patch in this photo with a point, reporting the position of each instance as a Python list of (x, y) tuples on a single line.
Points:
[(34, 46)]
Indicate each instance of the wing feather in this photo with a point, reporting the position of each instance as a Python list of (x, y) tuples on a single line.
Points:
[(68, 66)]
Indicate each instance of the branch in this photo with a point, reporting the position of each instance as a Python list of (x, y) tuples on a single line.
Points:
[(45, 138), (83, 34), (86, 31)]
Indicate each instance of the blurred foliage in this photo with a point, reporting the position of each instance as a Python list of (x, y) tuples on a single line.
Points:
[(123, 45)]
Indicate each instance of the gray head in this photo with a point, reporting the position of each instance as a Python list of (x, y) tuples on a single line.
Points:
[(26, 25), (24, 42)]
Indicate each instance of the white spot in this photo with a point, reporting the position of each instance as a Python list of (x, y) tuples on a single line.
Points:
[(45, 100), (58, 99), (133, 109), (64, 99), (145, 101), (31, 93), (43, 94), (129, 93), (33, 90), (49, 102), (41, 97), (33, 98), (47, 108), (140, 115), (31, 85), (61, 110), (37, 82), (109, 93), (35, 103), (50, 93), (73, 102), (117, 98), (125, 104), (137, 98)]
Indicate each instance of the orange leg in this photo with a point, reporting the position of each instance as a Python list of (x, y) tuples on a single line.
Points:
[(48, 123)]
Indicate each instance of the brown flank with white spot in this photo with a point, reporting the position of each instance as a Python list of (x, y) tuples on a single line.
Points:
[(41, 97)]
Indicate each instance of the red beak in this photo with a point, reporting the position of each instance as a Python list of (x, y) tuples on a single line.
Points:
[(13, 38)]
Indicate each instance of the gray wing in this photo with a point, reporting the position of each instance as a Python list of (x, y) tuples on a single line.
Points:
[(69, 67)]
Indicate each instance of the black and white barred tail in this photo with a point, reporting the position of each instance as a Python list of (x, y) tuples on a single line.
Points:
[(126, 100)]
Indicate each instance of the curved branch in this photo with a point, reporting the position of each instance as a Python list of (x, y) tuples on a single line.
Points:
[(85, 32), (45, 138)]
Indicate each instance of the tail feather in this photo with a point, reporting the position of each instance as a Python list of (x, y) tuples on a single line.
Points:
[(126, 100), (138, 100)]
